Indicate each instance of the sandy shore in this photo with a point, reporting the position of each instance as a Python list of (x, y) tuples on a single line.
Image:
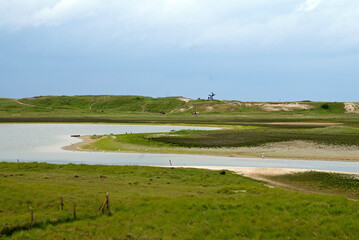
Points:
[(86, 140), (286, 150)]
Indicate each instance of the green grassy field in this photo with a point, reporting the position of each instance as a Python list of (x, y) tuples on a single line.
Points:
[(163, 203)]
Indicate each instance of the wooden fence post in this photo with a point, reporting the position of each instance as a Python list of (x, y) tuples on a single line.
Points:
[(62, 203), (108, 203), (32, 215), (74, 212)]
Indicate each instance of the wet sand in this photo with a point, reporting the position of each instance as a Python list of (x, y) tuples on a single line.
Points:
[(86, 140)]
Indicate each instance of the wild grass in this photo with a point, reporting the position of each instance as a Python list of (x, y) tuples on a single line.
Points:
[(230, 138), (324, 182), (246, 137), (163, 203)]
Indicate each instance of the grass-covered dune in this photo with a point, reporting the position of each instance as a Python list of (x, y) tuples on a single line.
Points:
[(140, 109), (164, 203)]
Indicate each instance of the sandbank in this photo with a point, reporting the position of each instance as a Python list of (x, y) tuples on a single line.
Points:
[(297, 150)]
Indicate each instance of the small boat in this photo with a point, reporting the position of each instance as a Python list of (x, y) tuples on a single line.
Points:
[(75, 135)]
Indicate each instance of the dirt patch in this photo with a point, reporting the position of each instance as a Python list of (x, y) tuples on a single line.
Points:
[(351, 107), (231, 106), (270, 107), (284, 106), (182, 109), (184, 99)]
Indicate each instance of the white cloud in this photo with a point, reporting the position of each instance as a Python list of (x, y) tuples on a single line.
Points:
[(18, 14), (330, 28), (62, 12), (185, 23), (309, 5)]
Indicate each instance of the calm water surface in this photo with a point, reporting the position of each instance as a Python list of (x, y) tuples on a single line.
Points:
[(43, 142)]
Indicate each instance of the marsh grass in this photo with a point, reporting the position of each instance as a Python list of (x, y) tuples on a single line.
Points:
[(237, 137), (163, 203), (253, 138)]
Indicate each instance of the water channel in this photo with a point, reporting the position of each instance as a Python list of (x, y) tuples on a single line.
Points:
[(43, 142)]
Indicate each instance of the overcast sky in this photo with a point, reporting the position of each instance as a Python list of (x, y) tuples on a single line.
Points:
[(258, 50)]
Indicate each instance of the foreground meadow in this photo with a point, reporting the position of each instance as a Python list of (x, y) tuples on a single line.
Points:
[(164, 203)]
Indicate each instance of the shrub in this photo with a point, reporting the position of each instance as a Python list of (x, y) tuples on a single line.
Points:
[(325, 106)]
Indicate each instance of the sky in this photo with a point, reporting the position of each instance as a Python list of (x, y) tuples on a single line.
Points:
[(258, 50)]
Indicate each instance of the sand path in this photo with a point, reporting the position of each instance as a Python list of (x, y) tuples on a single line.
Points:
[(264, 174), (21, 103)]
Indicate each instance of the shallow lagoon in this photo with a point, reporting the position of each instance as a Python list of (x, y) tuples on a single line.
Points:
[(43, 142)]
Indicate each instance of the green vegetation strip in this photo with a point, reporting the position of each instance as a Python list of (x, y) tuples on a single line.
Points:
[(162, 203), (240, 137), (256, 137)]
